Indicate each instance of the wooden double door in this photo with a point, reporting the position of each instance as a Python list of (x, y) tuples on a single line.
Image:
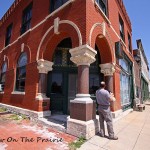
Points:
[(62, 87)]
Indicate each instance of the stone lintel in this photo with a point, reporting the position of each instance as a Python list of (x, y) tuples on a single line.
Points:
[(56, 25)]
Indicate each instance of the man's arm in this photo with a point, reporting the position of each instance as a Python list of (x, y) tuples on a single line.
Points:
[(112, 98)]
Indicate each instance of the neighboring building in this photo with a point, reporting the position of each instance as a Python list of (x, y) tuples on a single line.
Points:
[(141, 59), (54, 53), (137, 76)]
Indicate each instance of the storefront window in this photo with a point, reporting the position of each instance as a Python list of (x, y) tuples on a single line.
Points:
[(125, 82)]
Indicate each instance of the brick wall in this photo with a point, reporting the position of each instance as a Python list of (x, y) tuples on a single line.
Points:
[(84, 14)]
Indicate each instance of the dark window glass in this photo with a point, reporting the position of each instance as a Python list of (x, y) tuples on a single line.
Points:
[(21, 72), (26, 19), (94, 83), (103, 5), (8, 35), (55, 4), (121, 24), (58, 57), (56, 87), (129, 43), (3, 76)]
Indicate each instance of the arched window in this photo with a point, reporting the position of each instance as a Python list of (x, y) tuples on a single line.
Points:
[(21, 72), (3, 76)]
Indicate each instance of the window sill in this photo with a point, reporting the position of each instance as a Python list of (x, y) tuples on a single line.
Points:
[(18, 93), (125, 104), (106, 18), (1, 92), (60, 8)]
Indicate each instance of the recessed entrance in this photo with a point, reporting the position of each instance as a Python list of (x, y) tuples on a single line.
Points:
[(63, 80)]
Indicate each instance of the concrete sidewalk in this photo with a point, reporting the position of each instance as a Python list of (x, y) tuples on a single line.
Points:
[(133, 131)]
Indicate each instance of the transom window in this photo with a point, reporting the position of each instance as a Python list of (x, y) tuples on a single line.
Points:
[(62, 55), (55, 4), (103, 5), (26, 19), (121, 26), (21, 72), (8, 34), (3, 76)]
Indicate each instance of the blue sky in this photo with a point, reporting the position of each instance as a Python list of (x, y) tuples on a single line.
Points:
[(4, 5), (139, 15)]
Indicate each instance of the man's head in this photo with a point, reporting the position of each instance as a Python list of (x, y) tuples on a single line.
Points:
[(102, 84)]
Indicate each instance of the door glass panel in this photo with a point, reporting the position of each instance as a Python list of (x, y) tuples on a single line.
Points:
[(56, 87), (72, 88), (94, 83)]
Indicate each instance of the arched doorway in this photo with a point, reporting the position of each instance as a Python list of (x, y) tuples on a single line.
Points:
[(95, 76), (62, 81)]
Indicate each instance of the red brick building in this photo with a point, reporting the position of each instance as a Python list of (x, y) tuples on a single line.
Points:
[(54, 53)]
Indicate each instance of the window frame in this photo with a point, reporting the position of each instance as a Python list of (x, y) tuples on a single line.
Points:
[(125, 81), (129, 43), (103, 4), (121, 28), (3, 75), (19, 69), (52, 9), (8, 34), (26, 18)]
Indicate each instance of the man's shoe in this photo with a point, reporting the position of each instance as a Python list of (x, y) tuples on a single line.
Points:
[(113, 138), (101, 135)]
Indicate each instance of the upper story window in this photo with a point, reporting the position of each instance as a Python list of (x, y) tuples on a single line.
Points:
[(55, 4), (21, 72), (26, 19), (8, 34), (103, 5), (121, 26), (3, 76), (129, 43)]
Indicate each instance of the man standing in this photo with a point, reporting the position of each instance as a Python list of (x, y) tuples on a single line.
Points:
[(103, 99)]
